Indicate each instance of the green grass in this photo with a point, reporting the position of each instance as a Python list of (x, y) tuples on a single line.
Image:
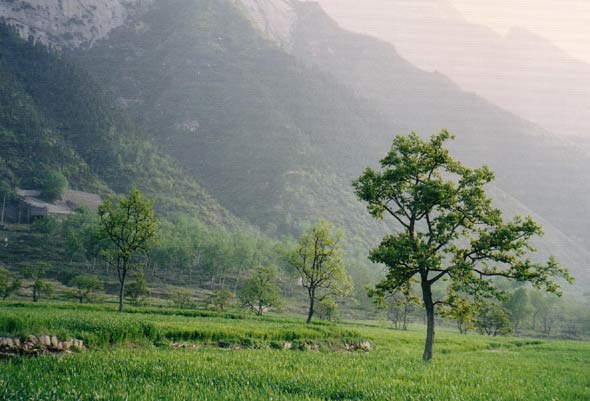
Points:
[(141, 366)]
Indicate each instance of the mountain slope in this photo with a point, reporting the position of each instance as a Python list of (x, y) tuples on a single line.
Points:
[(54, 117), (275, 141)]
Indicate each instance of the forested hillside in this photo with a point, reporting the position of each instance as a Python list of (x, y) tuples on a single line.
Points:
[(54, 117), (276, 142)]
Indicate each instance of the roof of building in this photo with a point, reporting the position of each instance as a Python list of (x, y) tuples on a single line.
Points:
[(28, 192), (50, 207)]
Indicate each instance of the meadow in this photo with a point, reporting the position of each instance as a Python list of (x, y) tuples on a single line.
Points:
[(165, 354)]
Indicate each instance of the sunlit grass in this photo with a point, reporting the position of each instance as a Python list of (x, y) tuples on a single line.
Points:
[(466, 368)]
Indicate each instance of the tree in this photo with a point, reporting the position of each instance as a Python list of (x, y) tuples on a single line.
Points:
[(318, 262), (493, 319), (84, 286), (53, 186), (138, 290), (182, 299), (398, 304), (261, 290), (219, 299), (328, 308), (36, 272), (446, 229), (130, 225), (9, 283), (519, 307)]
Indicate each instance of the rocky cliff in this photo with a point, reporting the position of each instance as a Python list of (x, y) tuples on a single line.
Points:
[(71, 23), (276, 19)]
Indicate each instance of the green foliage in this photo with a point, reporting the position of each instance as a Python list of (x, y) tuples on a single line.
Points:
[(260, 291), (53, 186), (9, 283), (328, 309), (82, 235), (130, 225), (398, 304), (219, 299), (447, 228), (84, 286), (137, 290), (36, 272), (493, 319), (45, 225), (519, 307), (182, 299), (318, 261)]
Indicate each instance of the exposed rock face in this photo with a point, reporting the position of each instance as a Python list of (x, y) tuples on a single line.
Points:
[(68, 23), (275, 18)]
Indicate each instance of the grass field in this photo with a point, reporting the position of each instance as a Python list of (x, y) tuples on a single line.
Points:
[(236, 357)]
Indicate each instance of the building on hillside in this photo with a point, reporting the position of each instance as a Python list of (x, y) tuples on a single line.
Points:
[(30, 206)]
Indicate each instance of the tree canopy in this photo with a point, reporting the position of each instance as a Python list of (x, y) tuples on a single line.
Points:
[(319, 264), (446, 228)]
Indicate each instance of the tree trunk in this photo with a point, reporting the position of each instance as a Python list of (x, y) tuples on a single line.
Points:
[(122, 276), (429, 305), (311, 306)]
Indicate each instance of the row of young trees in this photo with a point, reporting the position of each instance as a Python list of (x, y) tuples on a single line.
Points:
[(126, 235)]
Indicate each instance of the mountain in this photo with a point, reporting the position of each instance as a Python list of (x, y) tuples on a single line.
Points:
[(519, 71), (275, 109), (275, 141), (54, 117)]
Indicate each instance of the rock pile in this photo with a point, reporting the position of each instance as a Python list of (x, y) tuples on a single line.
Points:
[(33, 345)]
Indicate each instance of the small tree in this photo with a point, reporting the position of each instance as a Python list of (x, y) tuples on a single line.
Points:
[(398, 304), (53, 186), (36, 272), (9, 283), (182, 299), (138, 290), (130, 225), (328, 309), (519, 307), (318, 261), (493, 319), (219, 299), (261, 290), (84, 286), (446, 228)]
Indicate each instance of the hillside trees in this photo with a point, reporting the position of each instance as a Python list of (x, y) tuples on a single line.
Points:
[(318, 261), (446, 229), (130, 225)]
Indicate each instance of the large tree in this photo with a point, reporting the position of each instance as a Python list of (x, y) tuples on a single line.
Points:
[(446, 229), (130, 225), (319, 264)]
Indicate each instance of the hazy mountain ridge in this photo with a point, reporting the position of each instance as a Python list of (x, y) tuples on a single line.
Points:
[(520, 71)]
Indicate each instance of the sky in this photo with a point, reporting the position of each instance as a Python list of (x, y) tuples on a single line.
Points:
[(566, 23)]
